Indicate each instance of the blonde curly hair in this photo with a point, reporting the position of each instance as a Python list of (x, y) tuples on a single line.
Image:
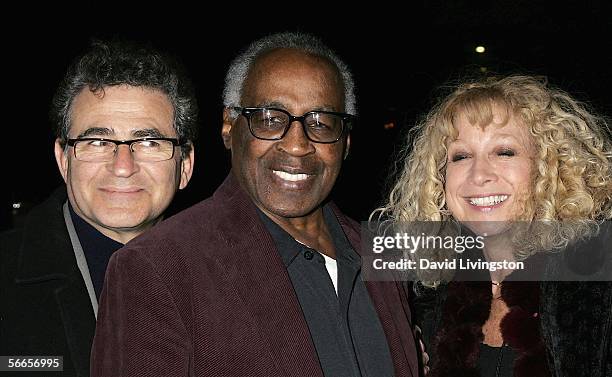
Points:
[(572, 180)]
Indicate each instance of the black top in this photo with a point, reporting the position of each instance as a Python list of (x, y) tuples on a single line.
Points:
[(345, 328), (496, 361), (97, 249)]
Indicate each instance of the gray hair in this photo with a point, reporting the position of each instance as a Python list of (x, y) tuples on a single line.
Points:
[(117, 62), (242, 64)]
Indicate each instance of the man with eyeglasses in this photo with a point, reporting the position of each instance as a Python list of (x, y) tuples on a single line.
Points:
[(263, 278), (125, 119)]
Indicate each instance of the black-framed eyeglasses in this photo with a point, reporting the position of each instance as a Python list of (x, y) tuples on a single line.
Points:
[(147, 149), (267, 123)]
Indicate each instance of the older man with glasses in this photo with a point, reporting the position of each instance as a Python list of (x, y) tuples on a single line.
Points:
[(125, 119), (264, 278)]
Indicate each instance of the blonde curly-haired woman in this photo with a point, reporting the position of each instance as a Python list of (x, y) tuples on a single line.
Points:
[(501, 150)]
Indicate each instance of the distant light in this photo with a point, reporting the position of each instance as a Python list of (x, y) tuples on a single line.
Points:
[(480, 49), (389, 126), (483, 69), (16, 205)]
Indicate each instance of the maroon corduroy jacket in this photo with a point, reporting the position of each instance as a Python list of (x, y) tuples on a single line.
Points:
[(205, 293)]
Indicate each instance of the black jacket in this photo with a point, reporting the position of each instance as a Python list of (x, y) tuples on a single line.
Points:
[(45, 310), (576, 316)]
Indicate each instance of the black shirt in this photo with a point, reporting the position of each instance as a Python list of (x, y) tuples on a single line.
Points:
[(344, 328), (496, 361), (97, 249)]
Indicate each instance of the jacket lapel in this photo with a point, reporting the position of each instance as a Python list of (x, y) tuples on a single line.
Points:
[(79, 323), (394, 315), (265, 285), (46, 252), (46, 259)]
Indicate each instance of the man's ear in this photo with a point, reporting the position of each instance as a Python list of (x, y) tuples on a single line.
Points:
[(347, 147), (226, 130), (61, 157), (187, 163)]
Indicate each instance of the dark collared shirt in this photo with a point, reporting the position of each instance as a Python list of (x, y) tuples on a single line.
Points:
[(345, 328), (97, 249)]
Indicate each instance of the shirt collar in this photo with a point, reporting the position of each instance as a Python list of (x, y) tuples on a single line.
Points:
[(289, 248)]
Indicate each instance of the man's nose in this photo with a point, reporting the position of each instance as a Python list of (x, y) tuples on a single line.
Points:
[(296, 142), (123, 164)]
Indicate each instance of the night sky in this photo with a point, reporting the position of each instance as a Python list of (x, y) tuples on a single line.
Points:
[(400, 60)]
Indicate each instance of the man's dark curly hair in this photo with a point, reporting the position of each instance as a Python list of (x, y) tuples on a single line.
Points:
[(111, 63)]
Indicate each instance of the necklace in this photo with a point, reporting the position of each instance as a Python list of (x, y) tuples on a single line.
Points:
[(496, 288)]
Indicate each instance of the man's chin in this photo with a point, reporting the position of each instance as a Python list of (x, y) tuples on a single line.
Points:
[(124, 224), (290, 211)]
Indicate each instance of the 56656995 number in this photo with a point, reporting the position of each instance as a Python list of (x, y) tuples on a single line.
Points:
[(31, 363)]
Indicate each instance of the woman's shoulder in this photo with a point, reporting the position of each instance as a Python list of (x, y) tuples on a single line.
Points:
[(587, 259)]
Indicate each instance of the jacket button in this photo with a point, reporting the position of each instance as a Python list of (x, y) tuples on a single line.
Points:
[(308, 254)]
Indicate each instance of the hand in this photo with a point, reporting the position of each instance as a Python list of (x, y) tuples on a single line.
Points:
[(425, 358), (424, 355)]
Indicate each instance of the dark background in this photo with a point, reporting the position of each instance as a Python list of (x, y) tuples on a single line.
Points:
[(400, 58)]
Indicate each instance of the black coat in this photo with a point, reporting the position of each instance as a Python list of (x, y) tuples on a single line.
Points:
[(45, 310), (576, 316)]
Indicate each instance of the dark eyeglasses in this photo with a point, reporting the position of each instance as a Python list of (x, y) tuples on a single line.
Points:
[(267, 123)]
